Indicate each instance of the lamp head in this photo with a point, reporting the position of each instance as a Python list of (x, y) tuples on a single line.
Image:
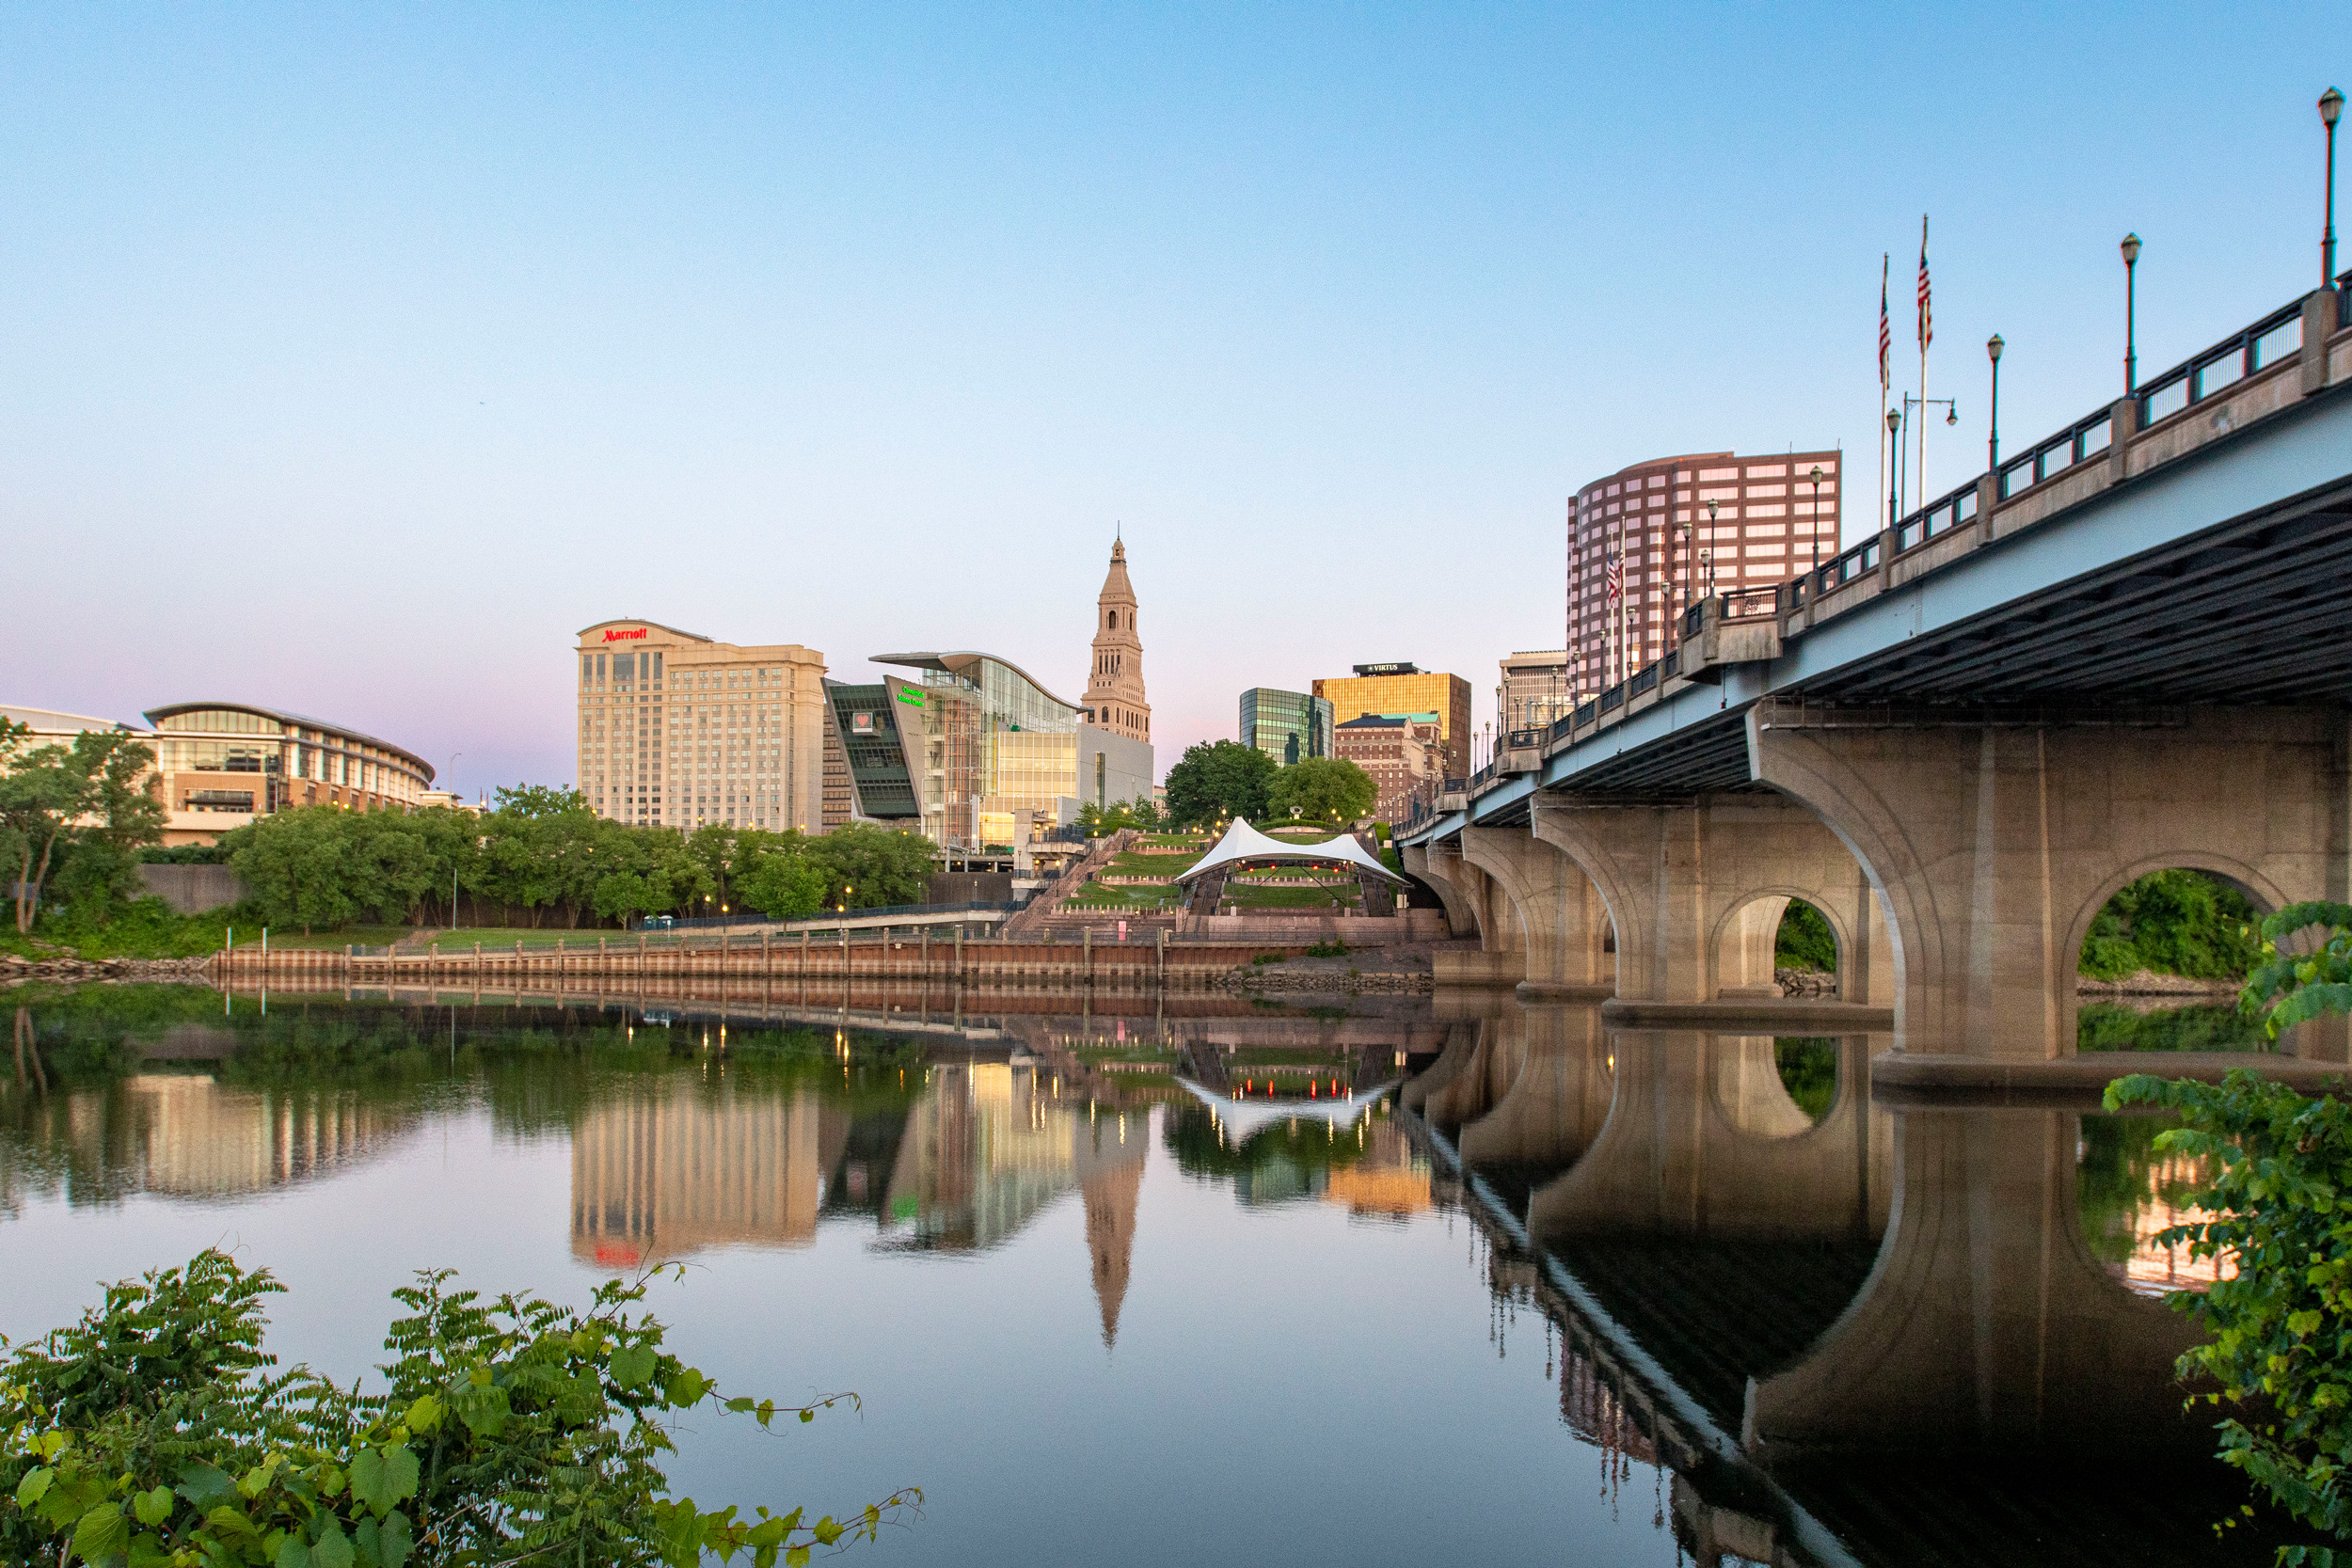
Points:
[(2330, 107), (1894, 421), (1993, 347), (1816, 475), (2131, 249), (1951, 415)]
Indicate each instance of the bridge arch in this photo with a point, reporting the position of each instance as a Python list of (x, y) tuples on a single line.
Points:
[(1564, 922), (1744, 942), (1749, 1086), (2251, 884)]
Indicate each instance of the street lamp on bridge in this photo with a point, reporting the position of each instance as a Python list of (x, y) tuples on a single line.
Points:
[(1993, 347), (1816, 477), (1894, 466), (2330, 110), (2131, 311)]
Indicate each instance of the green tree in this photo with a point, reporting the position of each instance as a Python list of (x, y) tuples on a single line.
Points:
[(2171, 922), (157, 1431), (1321, 789), (80, 811), (1218, 779), (882, 865)]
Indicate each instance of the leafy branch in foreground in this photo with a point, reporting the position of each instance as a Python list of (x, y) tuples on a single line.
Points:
[(2284, 988), (157, 1431), (2279, 1194)]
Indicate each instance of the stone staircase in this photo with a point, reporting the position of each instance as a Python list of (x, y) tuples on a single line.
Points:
[(1033, 923)]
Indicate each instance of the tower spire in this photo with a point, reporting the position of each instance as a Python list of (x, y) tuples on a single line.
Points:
[(1115, 685)]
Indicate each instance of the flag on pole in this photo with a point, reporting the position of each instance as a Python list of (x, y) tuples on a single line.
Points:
[(1927, 315), (1617, 576), (1886, 336)]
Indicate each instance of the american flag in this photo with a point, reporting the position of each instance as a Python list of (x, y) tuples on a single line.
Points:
[(1927, 316), (1617, 576), (1886, 337)]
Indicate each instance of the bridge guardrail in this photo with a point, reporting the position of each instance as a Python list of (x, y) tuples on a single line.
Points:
[(2260, 346)]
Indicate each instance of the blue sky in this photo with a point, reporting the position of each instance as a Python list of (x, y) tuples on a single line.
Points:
[(357, 357)]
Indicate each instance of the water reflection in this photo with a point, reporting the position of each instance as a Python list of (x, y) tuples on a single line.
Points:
[(1813, 1326)]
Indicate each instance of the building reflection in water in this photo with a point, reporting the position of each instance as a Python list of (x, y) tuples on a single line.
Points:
[(187, 1135)]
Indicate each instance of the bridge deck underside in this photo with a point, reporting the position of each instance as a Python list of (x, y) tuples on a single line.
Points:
[(2253, 610)]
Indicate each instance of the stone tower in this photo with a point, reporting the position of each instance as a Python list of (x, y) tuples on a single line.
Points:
[(1115, 690)]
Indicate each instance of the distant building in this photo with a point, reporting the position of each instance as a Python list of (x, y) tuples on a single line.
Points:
[(1764, 528), (1536, 689), (51, 728), (221, 764), (1391, 688), (958, 752), (1398, 750), (1288, 726), (1115, 700), (449, 800), (680, 730)]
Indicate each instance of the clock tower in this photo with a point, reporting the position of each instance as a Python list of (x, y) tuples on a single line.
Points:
[(1115, 687)]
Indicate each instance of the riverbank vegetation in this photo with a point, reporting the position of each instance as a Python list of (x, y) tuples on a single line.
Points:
[(158, 1429)]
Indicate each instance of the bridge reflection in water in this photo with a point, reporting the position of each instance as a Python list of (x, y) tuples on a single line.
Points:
[(1847, 1329), (1856, 1331)]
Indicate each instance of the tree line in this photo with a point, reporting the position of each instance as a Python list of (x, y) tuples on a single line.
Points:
[(543, 857), (1219, 781)]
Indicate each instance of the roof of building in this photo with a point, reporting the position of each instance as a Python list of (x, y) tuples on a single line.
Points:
[(1243, 844), (957, 661), (1387, 721), (155, 715), (50, 720), (641, 621)]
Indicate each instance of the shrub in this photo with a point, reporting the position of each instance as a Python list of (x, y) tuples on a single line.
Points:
[(157, 1431)]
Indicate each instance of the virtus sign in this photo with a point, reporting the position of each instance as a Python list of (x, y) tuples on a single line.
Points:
[(624, 636)]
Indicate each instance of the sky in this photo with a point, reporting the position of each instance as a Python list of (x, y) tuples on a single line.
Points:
[(357, 357)]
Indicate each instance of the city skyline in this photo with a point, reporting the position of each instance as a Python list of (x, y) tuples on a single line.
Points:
[(425, 343)]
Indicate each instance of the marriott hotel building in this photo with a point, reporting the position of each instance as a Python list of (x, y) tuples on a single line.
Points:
[(680, 730)]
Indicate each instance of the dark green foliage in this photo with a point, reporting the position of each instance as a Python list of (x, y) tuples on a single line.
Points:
[(1328, 791), (1222, 779), (73, 819), (2172, 923), (1805, 939), (2106, 1026), (1100, 822), (185, 854), (1808, 1070), (157, 1431), (2304, 969), (1333, 949), (545, 854), (2280, 1319)]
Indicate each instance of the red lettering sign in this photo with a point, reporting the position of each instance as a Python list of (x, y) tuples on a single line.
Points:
[(624, 636)]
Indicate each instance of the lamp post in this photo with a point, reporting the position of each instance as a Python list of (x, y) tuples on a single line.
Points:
[(1993, 347), (2131, 311), (2330, 110), (1816, 477), (1894, 466)]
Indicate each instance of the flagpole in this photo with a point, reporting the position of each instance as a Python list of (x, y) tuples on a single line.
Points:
[(1925, 334), (1885, 260)]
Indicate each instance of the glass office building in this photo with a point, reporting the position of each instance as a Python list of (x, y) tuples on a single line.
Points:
[(970, 743), (1288, 726)]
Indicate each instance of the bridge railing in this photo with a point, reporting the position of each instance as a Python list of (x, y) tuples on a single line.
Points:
[(2259, 346)]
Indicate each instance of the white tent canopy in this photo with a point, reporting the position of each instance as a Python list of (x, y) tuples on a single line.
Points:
[(1242, 843), (1242, 1118)]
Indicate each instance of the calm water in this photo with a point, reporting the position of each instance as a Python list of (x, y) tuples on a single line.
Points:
[(1362, 1285)]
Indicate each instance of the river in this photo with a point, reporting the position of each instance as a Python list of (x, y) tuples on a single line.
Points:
[(1388, 1281)]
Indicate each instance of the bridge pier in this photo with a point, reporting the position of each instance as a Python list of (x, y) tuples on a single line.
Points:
[(1558, 912), (1557, 1105), (1995, 845), (1502, 955), (1986, 1322), (1681, 883), (1460, 919)]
